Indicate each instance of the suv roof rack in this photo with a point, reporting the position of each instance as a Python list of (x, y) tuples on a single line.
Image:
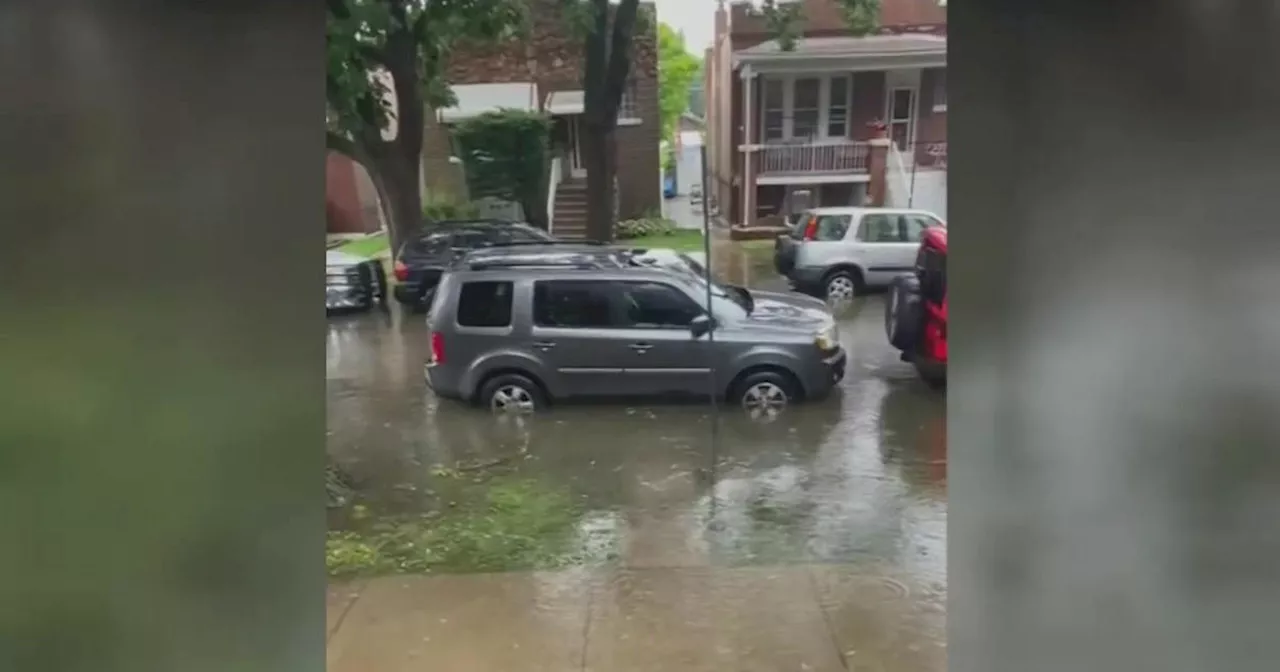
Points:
[(542, 243), (568, 264)]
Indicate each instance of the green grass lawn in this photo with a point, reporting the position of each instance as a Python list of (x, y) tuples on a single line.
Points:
[(368, 247), (685, 240)]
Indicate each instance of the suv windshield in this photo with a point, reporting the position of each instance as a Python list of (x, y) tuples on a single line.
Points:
[(694, 270)]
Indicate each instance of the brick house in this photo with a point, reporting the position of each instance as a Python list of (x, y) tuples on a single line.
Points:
[(544, 72), (790, 128)]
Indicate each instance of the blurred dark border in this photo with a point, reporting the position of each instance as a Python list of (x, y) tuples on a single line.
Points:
[(1113, 398), (161, 401)]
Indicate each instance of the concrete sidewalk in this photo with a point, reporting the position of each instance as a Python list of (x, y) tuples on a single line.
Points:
[(820, 618)]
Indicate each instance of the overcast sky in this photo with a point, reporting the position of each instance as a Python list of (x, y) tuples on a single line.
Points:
[(696, 18)]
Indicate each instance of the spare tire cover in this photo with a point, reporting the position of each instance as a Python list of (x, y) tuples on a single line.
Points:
[(903, 313)]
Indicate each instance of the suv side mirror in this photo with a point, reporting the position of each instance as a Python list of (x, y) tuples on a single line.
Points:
[(701, 325)]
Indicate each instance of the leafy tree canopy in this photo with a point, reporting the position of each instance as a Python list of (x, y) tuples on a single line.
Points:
[(677, 70)]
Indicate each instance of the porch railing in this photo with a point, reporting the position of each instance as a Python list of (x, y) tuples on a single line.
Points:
[(823, 156), (554, 175)]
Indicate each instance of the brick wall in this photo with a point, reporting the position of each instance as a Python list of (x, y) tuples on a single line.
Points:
[(552, 57), (344, 208), (823, 18)]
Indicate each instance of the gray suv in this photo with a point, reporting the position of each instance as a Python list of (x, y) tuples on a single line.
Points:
[(516, 328)]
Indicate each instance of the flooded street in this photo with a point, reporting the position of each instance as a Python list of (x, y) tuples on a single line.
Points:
[(616, 537)]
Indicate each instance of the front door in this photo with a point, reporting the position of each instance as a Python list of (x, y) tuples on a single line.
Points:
[(573, 334), (901, 115), (576, 167), (665, 358), (886, 250)]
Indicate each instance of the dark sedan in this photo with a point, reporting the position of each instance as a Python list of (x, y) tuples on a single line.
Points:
[(353, 283), (422, 259)]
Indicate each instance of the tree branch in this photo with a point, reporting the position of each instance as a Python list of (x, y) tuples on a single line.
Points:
[(596, 54), (624, 23)]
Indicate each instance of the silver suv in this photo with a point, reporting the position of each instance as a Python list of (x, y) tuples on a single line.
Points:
[(516, 328), (839, 253)]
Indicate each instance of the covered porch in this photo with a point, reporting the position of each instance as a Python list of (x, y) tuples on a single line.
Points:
[(808, 115)]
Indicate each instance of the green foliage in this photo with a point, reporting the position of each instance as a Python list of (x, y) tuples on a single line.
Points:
[(440, 208), (506, 155), (365, 36), (677, 69), (642, 228), (861, 16), (785, 20), (521, 525)]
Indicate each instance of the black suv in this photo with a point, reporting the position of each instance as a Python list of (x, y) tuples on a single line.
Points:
[(422, 259)]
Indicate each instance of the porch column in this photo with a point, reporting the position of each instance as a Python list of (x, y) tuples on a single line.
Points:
[(877, 166), (748, 147)]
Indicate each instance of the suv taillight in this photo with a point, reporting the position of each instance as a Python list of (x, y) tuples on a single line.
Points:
[(811, 229), (437, 347), (401, 271)]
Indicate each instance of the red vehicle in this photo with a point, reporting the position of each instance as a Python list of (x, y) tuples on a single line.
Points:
[(915, 315)]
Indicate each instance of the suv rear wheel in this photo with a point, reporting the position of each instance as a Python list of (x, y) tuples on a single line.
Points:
[(765, 394), (511, 393), (841, 285)]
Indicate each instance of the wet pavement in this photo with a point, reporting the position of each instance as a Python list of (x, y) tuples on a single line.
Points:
[(623, 537)]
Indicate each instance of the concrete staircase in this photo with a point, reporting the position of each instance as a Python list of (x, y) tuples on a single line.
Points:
[(570, 215)]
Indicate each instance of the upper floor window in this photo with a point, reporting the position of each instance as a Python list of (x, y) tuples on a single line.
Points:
[(774, 98), (629, 108), (806, 107)]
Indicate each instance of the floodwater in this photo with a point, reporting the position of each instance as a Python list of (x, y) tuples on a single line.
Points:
[(814, 542)]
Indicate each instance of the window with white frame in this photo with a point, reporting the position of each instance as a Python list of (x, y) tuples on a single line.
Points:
[(838, 100), (806, 108), (774, 104), (629, 107)]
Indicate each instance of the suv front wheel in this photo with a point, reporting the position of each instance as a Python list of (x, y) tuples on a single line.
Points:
[(765, 395), (512, 393)]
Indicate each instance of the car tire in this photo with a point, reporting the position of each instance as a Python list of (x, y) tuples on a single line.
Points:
[(841, 285), (904, 313), (765, 394), (936, 379), (512, 393), (380, 283)]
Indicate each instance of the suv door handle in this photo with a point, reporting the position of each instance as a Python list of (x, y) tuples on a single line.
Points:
[(544, 345), (641, 347)]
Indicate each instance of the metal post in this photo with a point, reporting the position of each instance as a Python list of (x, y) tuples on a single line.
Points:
[(714, 387), (911, 191)]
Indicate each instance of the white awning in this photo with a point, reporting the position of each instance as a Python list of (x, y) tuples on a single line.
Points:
[(477, 99), (565, 102), (869, 52)]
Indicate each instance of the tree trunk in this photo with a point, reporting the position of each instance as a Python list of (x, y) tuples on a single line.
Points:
[(598, 157), (400, 189)]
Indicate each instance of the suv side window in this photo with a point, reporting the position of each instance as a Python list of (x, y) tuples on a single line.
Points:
[(572, 304), (833, 227), (484, 304), (653, 305), (429, 244), (521, 234), (879, 228), (469, 239), (914, 227)]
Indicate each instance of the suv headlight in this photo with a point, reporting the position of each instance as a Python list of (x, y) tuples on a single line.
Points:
[(828, 339)]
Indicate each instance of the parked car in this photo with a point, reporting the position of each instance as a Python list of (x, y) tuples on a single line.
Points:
[(515, 329), (915, 318), (421, 260), (353, 283), (839, 253)]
